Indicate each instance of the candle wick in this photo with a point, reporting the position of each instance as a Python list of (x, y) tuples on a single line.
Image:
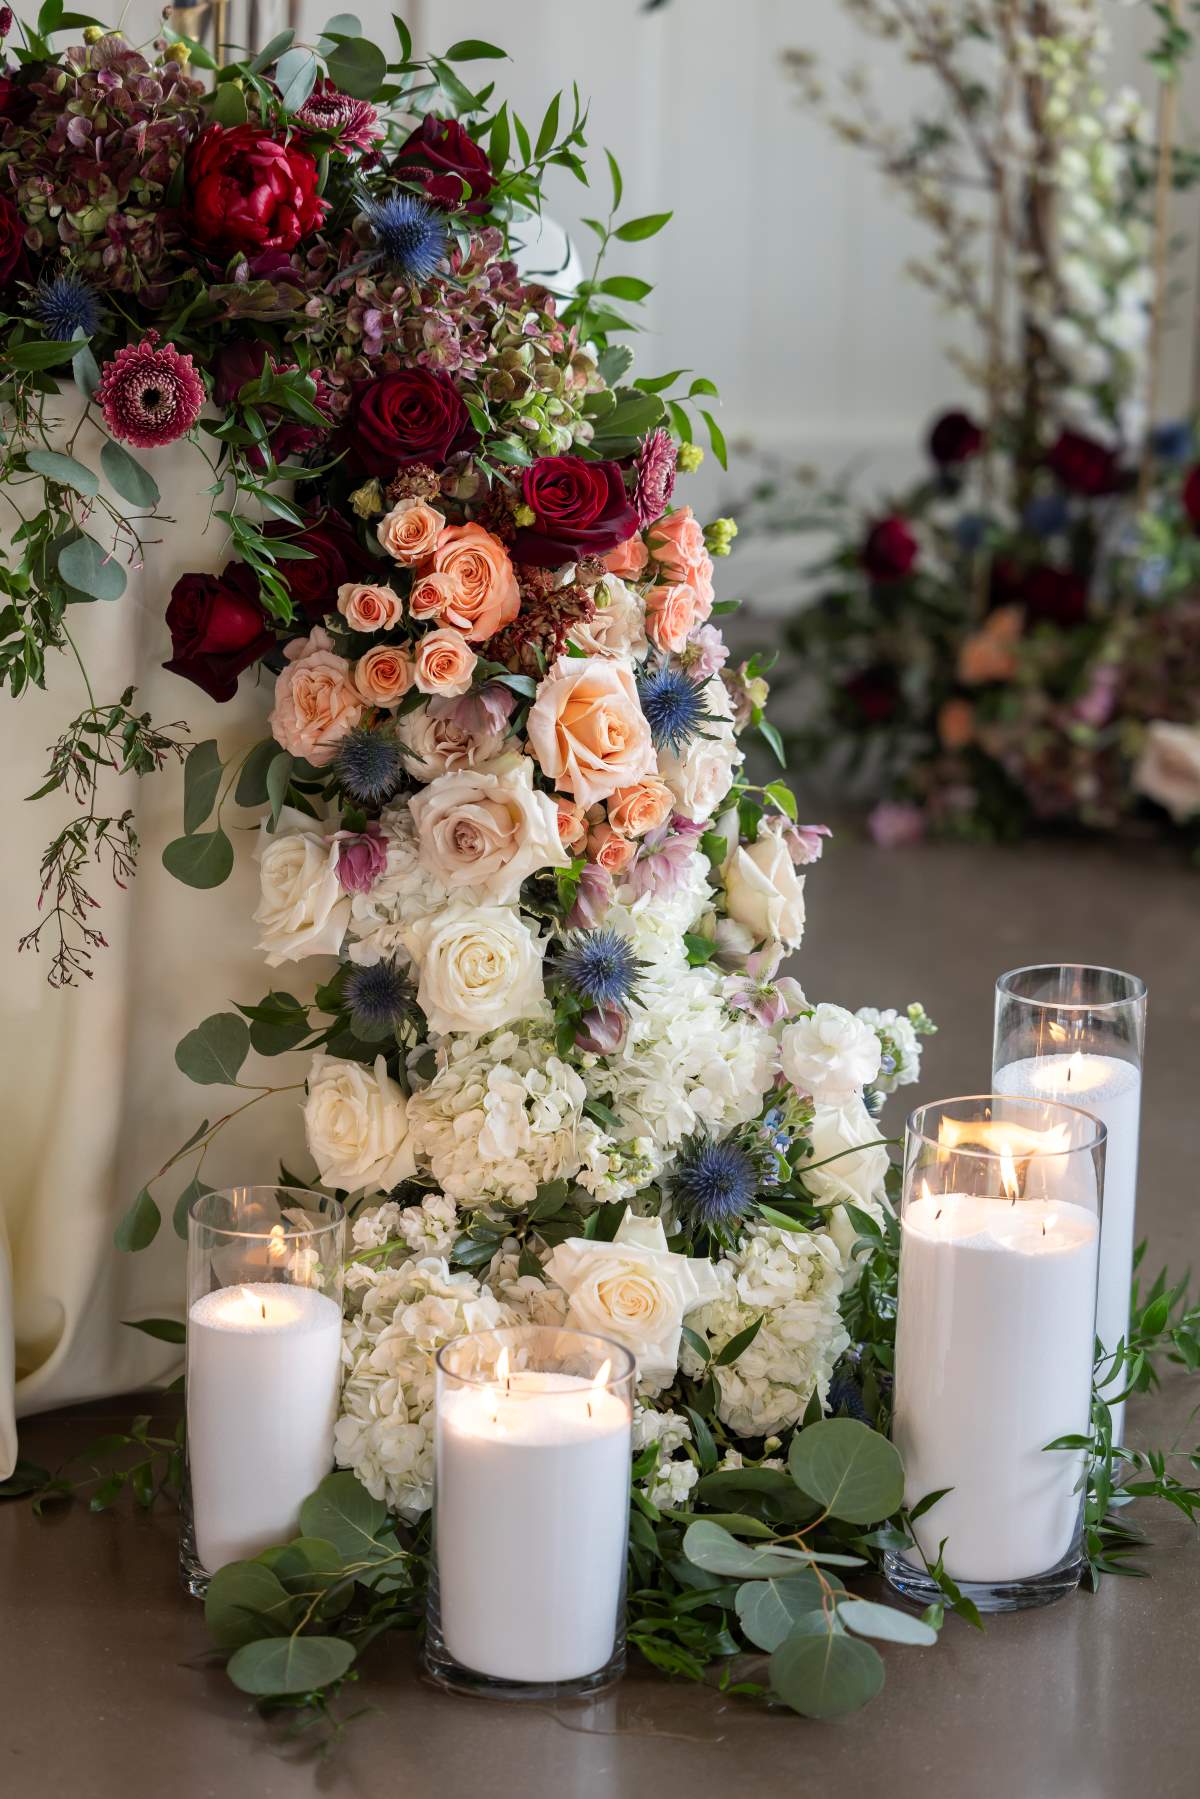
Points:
[(937, 1214), (263, 1303), (589, 1408)]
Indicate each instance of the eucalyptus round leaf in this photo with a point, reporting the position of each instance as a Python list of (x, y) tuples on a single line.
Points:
[(825, 1675), (201, 783), (710, 1546), (344, 1514), (84, 566), (357, 66), (65, 470), (853, 1472), (139, 1227), (245, 1601), (769, 1610), (285, 1665), (127, 477), (295, 76), (212, 1055), (887, 1622), (204, 859)]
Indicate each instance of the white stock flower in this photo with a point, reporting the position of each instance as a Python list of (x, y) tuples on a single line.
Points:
[(403, 892), (302, 908), (856, 1172), (830, 1054), (428, 1229), (701, 777), (356, 1125), (479, 968), (900, 1063), (764, 892), (487, 828)]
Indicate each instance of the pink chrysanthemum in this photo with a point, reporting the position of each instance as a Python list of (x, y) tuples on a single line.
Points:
[(654, 477), (354, 123), (150, 396)]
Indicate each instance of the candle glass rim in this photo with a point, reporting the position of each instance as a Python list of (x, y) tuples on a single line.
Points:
[(332, 1213), (618, 1375), (1097, 1140), (1136, 995)]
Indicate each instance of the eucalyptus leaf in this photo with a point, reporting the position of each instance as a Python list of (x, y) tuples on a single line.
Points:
[(183, 1205), (91, 570), (286, 1665), (245, 1601), (163, 1330), (201, 783), (65, 470), (85, 370), (769, 1610), (854, 1473), (712, 1548), (139, 1227), (887, 1622), (204, 859), (825, 1675), (344, 1513), (296, 77), (357, 66), (279, 775), (127, 477), (212, 1054), (251, 789)]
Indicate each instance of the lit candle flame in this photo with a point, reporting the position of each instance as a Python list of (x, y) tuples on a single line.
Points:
[(502, 1365), (602, 1373), (1075, 1066), (1008, 1174)]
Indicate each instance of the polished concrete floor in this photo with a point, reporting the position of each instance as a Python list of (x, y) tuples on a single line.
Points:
[(105, 1692)]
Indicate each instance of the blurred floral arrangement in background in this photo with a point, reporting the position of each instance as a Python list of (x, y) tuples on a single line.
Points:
[(1014, 640)]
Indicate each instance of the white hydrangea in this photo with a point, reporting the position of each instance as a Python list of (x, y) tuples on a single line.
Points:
[(427, 1229), (404, 894), (530, 1297), (399, 1318), (793, 1281), (900, 1064), (655, 922)]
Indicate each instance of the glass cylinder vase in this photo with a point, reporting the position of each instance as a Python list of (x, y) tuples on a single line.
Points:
[(999, 1248), (1077, 1034), (530, 1513), (264, 1275)]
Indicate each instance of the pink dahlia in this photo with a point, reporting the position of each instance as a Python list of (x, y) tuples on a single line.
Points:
[(354, 123), (150, 396), (654, 477)]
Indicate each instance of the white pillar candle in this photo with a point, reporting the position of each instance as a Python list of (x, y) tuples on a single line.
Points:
[(1111, 1090), (532, 1512), (994, 1361), (262, 1385)]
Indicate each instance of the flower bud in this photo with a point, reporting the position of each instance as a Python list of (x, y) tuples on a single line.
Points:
[(689, 458)]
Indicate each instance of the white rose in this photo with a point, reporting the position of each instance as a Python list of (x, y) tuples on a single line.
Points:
[(356, 1125), (858, 1173), (617, 628), (1168, 769), (764, 892), (845, 1235), (437, 743), (635, 1291), (480, 967), (830, 1054), (701, 777), (488, 829), (303, 910)]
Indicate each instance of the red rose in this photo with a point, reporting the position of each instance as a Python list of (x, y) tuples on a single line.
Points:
[(890, 549), (580, 509), (247, 191), (1191, 496), (218, 628), (1057, 595), (873, 693), (439, 157), (12, 241), (412, 416), (336, 557), (234, 364), (954, 438), (1083, 465)]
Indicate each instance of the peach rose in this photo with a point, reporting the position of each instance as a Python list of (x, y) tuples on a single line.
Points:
[(671, 612), (677, 545), (572, 825), (628, 559), (989, 654), (485, 596), (956, 724), (445, 663), (384, 675), (587, 730), (632, 811), (316, 703), (430, 596), (409, 533), (611, 852), (366, 607)]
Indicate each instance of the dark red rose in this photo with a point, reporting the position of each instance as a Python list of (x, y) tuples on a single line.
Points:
[(1057, 595), (218, 628), (412, 416), (873, 693), (1191, 496), (336, 557), (579, 509), (12, 241), (439, 157), (17, 100), (233, 365), (890, 549), (955, 437), (1083, 465), (247, 191)]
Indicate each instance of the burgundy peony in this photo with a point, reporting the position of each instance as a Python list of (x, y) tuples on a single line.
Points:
[(12, 241), (1057, 595), (874, 693), (1083, 465), (955, 438), (414, 415), (336, 558), (439, 157), (579, 509), (247, 191), (218, 628), (1191, 496), (890, 549)]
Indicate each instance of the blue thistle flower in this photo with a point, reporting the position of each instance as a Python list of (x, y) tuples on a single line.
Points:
[(673, 707), (846, 1397), (971, 530), (379, 999), (714, 1184), (410, 234), (64, 305), (1172, 442), (1047, 515), (599, 967), (369, 766)]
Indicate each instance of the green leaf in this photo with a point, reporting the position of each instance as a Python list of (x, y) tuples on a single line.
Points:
[(295, 78), (26, 1478), (280, 1023), (783, 797), (127, 477), (348, 24), (285, 1665), (716, 438), (212, 1055), (139, 1227), (204, 859), (709, 1546), (229, 105), (474, 49), (825, 1675), (271, 51), (886, 1622), (86, 371), (245, 1600), (183, 1205), (65, 470), (548, 130), (615, 361), (40, 353), (86, 567), (772, 737), (769, 1610), (626, 287), (357, 66), (618, 186), (648, 225), (279, 776), (201, 783), (251, 789), (697, 1344), (852, 1471), (742, 1341), (499, 141), (343, 1512), (163, 1330)]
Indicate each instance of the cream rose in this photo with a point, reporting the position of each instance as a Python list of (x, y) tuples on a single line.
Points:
[(368, 607), (856, 1172), (384, 675), (764, 892), (409, 533), (356, 1125), (302, 908), (487, 829), (643, 807), (445, 663), (635, 1291), (436, 742), (701, 776), (480, 967), (483, 586), (316, 701), (1168, 769), (617, 627), (830, 1054), (587, 730)]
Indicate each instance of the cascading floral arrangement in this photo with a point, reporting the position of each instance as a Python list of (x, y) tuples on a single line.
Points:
[(1014, 640)]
